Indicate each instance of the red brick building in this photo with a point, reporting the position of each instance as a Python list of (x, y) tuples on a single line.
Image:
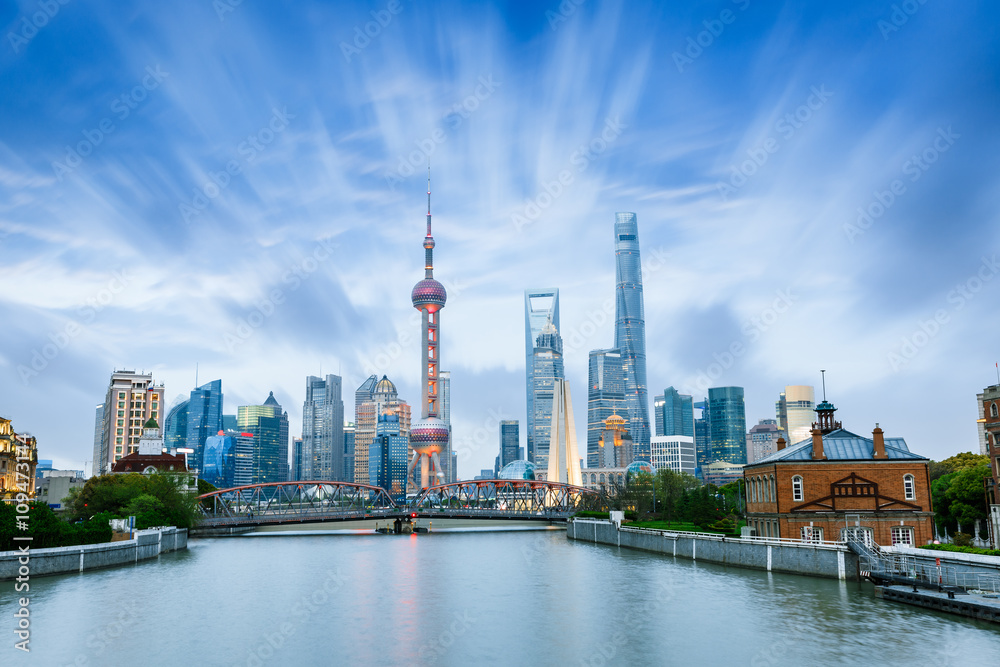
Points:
[(990, 421), (838, 482)]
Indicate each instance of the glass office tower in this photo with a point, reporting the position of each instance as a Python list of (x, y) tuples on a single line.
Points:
[(269, 426), (540, 306), (204, 417), (676, 413), (630, 329), (510, 441), (605, 397), (547, 368), (323, 430), (727, 425)]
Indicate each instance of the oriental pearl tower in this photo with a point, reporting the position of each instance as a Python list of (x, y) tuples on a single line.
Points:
[(429, 436)]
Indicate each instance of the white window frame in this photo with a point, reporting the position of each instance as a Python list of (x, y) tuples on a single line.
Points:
[(898, 533), (811, 534), (909, 487), (797, 489)]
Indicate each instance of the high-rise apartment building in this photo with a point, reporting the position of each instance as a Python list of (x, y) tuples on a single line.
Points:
[(269, 426), (510, 440), (540, 307), (630, 329), (131, 400), (762, 440), (605, 396), (547, 371), (204, 418), (323, 429), (727, 425), (373, 398), (794, 410), (676, 413)]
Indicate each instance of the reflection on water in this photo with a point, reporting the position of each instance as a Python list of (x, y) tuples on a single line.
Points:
[(459, 598)]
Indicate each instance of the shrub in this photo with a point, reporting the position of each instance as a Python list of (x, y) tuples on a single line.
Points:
[(962, 540)]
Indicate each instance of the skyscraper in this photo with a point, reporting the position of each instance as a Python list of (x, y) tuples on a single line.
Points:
[(131, 400), (547, 371), (446, 453), (228, 459), (676, 413), (605, 397), (373, 398), (175, 427), (429, 437), (794, 410), (658, 415), (269, 426), (323, 429), (98, 438), (540, 307), (762, 440), (387, 457), (727, 425), (349, 451), (630, 329), (296, 473), (204, 418), (510, 440), (702, 436)]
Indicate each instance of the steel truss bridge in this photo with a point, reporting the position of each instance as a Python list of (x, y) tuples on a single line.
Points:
[(276, 503)]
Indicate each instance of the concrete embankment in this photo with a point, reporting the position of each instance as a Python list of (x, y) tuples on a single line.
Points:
[(62, 560), (957, 562), (834, 561)]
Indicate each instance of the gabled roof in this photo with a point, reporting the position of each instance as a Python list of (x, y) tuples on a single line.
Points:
[(842, 445)]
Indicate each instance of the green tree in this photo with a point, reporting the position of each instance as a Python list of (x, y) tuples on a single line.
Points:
[(670, 486), (959, 461), (115, 493), (959, 498)]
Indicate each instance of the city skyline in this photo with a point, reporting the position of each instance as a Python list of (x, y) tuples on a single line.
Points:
[(774, 242)]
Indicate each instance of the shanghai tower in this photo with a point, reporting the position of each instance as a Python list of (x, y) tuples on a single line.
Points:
[(429, 436), (630, 329)]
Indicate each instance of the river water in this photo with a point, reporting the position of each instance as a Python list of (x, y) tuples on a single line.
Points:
[(469, 598)]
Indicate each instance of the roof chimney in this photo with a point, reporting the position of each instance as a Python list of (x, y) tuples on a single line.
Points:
[(781, 442), (879, 452), (817, 435)]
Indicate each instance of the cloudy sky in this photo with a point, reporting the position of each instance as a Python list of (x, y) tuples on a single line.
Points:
[(242, 188)]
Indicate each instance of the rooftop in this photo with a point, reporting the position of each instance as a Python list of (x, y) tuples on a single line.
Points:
[(842, 445)]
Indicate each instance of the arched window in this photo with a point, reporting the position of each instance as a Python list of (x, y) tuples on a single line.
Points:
[(993, 411), (909, 491), (797, 488), (593, 478), (602, 478), (770, 489), (753, 489)]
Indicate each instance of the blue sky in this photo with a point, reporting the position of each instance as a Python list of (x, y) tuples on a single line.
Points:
[(816, 187)]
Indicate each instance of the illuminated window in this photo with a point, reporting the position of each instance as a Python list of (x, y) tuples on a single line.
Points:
[(908, 489), (797, 488)]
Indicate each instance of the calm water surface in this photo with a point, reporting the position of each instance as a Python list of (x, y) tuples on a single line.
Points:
[(510, 598)]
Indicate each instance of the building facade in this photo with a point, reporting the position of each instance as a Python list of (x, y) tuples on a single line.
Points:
[(175, 426), (510, 441), (674, 452), (989, 421), (676, 413), (605, 396), (387, 460), (838, 484), (794, 411), (762, 440), (604, 479), (18, 460), (268, 424), (547, 372), (615, 448), (373, 398), (204, 418), (322, 455), (630, 329), (349, 451), (727, 425), (228, 459), (130, 401), (540, 307)]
